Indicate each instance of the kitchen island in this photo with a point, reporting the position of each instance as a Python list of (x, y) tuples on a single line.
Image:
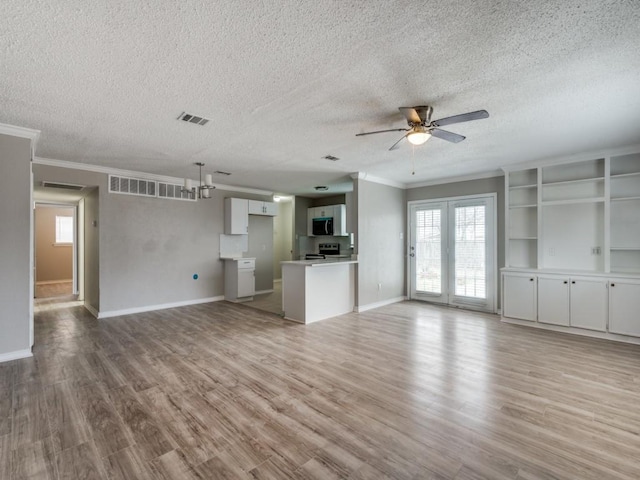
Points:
[(313, 290)]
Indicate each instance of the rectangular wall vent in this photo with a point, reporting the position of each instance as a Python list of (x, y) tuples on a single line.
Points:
[(64, 186), (197, 119), (173, 191), (132, 186)]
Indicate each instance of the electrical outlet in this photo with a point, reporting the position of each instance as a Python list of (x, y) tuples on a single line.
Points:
[(379, 286), (595, 250)]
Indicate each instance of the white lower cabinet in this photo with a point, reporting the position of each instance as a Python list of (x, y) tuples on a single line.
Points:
[(589, 299), (624, 307), (553, 299), (519, 296), (239, 279)]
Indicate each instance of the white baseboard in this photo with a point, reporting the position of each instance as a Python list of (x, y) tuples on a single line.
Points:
[(260, 292), (573, 331), (7, 357), (92, 310), (151, 308), (52, 282), (382, 303), (277, 280)]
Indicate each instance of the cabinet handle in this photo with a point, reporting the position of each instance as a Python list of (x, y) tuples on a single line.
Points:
[(573, 281), (565, 282), (531, 279), (613, 284)]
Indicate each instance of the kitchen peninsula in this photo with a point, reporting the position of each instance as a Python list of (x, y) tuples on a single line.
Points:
[(313, 290)]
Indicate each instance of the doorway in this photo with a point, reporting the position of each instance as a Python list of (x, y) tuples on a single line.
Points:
[(55, 242), (452, 251)]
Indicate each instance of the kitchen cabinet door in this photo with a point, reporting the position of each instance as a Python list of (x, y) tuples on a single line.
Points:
[(236, 216), (589, 300), (519, 296), (624, 307), (553, 299), (257, 207)]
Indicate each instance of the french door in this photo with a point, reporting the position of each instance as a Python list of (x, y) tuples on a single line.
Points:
[(452, 245)]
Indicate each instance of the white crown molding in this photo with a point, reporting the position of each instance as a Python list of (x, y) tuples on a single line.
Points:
[(22, 132), (578, 157), (380, 180), (142, 175), (461, 178)]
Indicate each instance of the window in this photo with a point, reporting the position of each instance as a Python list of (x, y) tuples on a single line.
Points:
[(64, 229)]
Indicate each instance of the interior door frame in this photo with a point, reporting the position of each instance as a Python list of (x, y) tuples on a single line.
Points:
[(492, 267)]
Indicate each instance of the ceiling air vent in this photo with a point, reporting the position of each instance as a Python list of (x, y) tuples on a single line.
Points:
[(331, 158), (64, 186), (188, 117)]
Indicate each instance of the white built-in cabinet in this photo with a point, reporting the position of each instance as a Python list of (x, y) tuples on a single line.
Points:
[(237, 211), (573, 230)]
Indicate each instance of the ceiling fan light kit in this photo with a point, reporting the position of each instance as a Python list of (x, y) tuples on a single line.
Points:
[(422, 128)]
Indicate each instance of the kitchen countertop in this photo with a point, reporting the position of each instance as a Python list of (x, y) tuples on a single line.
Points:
[(320, 262)]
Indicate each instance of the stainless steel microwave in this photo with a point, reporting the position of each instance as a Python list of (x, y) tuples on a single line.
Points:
[(322, 226)]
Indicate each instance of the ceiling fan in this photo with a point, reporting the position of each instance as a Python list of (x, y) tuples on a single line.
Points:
[(422, 128)]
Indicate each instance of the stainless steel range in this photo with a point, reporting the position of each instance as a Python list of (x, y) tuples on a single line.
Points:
[(329, 248)]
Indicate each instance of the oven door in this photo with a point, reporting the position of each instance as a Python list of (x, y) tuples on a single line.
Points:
[(323, 226)]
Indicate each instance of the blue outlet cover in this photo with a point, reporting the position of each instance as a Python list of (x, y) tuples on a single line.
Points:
[(195, 276)]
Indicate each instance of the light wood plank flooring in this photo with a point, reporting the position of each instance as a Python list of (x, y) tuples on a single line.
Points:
[(406, 391)]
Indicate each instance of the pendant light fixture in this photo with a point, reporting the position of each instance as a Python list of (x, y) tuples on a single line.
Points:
[(202, 190)]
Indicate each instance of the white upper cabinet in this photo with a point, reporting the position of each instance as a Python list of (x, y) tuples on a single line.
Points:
[(257, 207), (236, 216)]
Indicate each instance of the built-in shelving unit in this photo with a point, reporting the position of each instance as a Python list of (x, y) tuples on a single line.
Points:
[(573, 246), (625, 213)]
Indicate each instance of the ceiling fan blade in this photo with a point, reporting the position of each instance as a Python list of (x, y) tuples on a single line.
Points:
[(395, 145), (448, 136), (382, 131), (463, 117), (411, 114)]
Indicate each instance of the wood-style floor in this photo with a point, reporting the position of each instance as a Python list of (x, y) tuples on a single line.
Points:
[(406, 391)]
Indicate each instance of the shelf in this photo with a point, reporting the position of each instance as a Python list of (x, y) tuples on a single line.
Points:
[(622, 199), (570, 202), (534, 205), (520, 187), (573, 182), (625, 249), (624, 175), (523, 238)]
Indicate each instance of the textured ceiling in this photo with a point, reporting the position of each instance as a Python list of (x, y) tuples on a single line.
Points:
[(287, 82)]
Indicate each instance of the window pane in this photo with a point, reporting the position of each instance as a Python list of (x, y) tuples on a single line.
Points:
[(470, 261), (64, 229), (428, 251)]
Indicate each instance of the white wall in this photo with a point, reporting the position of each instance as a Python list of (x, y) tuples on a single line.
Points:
[(380, 243), (282, 237), (15, 246)]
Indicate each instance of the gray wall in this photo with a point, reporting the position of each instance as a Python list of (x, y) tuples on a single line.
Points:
[(261, 247), (150, 248), (282, 237), (92, 250), (15, 244), (380, 242), (53, 262), (471, 187)]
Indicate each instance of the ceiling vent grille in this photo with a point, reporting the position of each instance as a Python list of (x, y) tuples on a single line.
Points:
[(331, 158), (188, 117), (173, 191), (220, 172), (64, 186), (132, 186)]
